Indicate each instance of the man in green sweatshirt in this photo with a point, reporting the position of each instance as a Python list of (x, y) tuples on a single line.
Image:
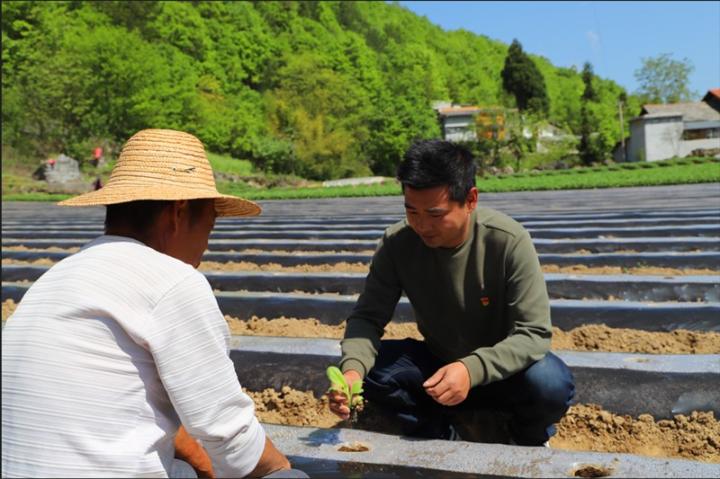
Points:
[(475, 284)]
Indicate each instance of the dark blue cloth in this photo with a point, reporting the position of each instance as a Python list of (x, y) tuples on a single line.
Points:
[(535, 398)]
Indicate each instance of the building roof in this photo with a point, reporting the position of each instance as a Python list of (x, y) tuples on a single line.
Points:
[(458, 110), (697, 111), (713, 92)]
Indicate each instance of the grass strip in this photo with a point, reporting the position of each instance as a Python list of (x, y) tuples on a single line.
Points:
[(670, 172)]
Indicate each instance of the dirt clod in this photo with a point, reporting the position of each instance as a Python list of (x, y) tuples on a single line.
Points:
[(356, 446)]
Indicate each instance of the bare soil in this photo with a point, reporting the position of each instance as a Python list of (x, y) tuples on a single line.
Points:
[(358, 267), (592, 337), (8, 308), (52, 249), (363, 268), (585, 427)]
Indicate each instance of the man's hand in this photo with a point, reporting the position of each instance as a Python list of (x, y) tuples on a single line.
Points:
[(450, 385), (338, 401), (190, 451)]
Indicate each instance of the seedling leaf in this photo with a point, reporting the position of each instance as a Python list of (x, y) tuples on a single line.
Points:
[(339, 384), (356, 388), (337, 381)]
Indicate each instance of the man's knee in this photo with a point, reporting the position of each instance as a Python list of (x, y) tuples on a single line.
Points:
[(390, 385), (395, 379), (550, 383)]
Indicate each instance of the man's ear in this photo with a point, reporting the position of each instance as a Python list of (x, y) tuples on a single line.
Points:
[(472, 198), (178, 211)]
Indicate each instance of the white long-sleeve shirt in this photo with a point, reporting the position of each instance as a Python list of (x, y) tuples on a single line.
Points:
[(106, 354)]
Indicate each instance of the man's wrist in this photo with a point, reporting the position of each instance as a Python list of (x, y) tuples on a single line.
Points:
[(353, 365), (475, 369)]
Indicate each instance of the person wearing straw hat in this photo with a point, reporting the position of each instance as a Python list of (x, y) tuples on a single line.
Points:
[(117, 346)]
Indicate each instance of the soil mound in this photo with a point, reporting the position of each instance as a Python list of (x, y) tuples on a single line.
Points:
[(585, 427), (594, 337)]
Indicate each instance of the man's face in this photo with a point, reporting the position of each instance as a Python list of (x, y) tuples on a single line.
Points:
[(194, 233), (439, 221)]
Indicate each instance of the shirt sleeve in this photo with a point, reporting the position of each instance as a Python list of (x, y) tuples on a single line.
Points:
[(372, 312), (189, 343), (528, 308)]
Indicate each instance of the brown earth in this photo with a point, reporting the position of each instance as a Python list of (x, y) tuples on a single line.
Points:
[(359, 267), (363, 268), (52, 249), (8, 308), (585, 427), (591, 337)]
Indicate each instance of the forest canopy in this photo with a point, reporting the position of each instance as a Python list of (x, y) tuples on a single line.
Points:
[(317, 89)]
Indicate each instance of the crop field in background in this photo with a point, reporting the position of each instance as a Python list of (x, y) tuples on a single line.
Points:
[(668, 172)]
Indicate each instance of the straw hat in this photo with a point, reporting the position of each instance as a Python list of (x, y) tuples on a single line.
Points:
[(163, 165)]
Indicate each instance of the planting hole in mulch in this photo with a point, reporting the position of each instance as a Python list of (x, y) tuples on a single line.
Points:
[(591, 470)]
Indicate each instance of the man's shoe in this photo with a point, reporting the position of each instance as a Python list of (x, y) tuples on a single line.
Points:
[(453, 436)]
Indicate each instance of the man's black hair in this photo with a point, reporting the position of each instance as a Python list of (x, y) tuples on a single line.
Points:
[(430, 163), (140, 215)]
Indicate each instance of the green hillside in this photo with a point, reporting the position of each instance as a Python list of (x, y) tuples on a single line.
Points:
[(313, 89)]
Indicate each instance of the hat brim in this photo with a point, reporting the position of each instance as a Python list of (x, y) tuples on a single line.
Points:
[(225, 205)]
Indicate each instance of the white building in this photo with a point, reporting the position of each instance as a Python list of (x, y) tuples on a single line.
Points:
[(675, 130), (466, 122), (457, 122)]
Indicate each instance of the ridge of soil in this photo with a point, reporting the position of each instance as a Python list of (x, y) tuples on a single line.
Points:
[(585, 427), (589, 337), (51, 249), (359, 267)]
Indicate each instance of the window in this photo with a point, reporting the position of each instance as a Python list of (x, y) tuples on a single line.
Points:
[(701, 134)]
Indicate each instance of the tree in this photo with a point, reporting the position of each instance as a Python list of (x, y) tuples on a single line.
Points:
[(589, 93), (522, 78), (588, 147), (591, 148), (664, 80)]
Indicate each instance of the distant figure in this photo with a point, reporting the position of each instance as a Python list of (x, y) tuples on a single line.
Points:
[(97, 184), (97, 155), (51, 162)]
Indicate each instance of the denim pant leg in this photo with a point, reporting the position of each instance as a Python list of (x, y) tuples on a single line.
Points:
[(395, 385), (536, 398)]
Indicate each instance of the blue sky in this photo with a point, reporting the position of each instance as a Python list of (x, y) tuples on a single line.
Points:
[(613, 36)]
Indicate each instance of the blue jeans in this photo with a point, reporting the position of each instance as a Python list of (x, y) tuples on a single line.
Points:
[(535, 398)]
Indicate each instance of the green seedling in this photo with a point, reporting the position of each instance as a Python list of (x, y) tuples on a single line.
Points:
[(354, 393)]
